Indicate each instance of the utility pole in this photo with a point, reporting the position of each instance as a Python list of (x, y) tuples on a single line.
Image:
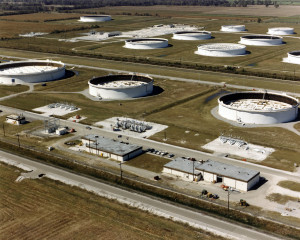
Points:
[(121, 172), (97, 143), (228, 191), (193, 160), (18, 139)]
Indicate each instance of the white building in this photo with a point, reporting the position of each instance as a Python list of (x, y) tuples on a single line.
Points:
[(110, 148), (15, 119), (61, 131), (239, 178)]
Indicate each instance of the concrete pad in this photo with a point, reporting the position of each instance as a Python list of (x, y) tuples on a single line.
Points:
[(46, 111), (249, 151), (108, 123)]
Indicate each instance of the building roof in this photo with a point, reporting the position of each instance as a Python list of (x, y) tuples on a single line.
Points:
[(110, 145), (16, 117), (183, 165), (221, 169), (227, 170)]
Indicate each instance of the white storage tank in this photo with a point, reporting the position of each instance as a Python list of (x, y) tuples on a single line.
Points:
[(258, 107), (293, 57), (261, 40), (192, 35), (31, 71), (221, 50), (281, 31), (146, 43), (123, 86), (233, 28), (95, 18)]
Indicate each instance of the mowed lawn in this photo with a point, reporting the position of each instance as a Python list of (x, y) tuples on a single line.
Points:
[(46, 209)]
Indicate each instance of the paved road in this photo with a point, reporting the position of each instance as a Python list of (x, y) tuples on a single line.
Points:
[(223, 228), (147, 143)]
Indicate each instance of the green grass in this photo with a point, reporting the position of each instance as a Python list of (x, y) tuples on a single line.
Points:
[(76, 81), (149, 162), (294, 186), (96, 111), (9, 90)]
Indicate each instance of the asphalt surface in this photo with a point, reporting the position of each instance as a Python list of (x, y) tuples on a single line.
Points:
[(217, 226)]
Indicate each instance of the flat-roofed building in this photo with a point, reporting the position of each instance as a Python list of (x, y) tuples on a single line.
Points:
[(213, 171), (15, 119), (111, 148)]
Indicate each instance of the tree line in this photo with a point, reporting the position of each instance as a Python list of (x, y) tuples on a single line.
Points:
[(24, 6)]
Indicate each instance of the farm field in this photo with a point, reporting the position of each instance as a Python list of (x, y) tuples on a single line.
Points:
[(196, 11), (48, 209)]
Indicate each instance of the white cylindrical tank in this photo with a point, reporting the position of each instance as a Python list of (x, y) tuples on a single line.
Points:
[(113, 87), (192, 35), (258, 107), (32, 71), (146, 43), (261, 40), (221, 50), (293, 57), (95, 18), (281, 31), (233, 28)]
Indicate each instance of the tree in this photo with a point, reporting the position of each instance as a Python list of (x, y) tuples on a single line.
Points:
[(259, 20)]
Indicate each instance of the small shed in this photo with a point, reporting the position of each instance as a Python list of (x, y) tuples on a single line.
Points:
[(15, 119)]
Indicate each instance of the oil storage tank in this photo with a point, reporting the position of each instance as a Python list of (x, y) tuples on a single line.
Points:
[(258, 107), (121, 86), (31, 71)]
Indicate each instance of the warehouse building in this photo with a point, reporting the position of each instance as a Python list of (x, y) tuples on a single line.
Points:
[(110, 148), (242, 179)]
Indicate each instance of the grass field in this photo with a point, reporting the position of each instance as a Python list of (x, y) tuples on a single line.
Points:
[(294, 186), (8, 90), (149, 162), (279, 198), (96, 111), (50, 210)]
